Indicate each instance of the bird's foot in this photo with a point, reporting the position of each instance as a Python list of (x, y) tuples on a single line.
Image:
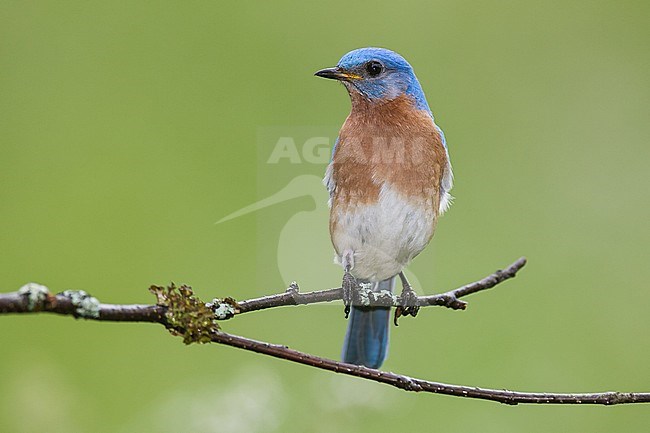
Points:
[(408, 301), (349, 282), (349, 285)]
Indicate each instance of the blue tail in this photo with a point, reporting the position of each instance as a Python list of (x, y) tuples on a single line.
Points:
[(366, 340)]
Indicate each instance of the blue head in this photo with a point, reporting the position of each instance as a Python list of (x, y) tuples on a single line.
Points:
[(378, 75)]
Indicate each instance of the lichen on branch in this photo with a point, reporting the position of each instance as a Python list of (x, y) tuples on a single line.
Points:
[(186, 315)]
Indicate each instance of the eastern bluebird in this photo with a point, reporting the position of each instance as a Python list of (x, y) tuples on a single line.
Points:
[(388, 180)]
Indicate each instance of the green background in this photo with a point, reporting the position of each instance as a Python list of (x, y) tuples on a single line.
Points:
[(128, 128)]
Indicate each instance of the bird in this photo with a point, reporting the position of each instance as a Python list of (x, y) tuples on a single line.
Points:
[(389, 179)]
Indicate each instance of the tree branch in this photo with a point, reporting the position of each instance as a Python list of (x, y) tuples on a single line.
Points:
[(182, 313), (419, 385), (367, 297)]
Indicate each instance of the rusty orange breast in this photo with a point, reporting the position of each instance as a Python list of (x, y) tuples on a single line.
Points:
[(389, 143)]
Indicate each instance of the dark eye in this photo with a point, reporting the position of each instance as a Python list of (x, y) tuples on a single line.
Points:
[(374, 68)]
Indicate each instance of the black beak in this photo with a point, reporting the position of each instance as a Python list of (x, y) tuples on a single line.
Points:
[(336, 74), (331, 73)]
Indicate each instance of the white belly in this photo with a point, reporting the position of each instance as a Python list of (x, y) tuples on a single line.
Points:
[(385, 236)]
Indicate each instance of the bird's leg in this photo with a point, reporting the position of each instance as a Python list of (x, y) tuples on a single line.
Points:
[(408, 300), (349, 283)]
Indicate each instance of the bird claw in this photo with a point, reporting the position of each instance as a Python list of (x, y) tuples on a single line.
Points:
[(408, 304), (348, 285)]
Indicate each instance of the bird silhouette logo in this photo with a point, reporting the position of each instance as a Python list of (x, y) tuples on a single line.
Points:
[(304, 249)]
